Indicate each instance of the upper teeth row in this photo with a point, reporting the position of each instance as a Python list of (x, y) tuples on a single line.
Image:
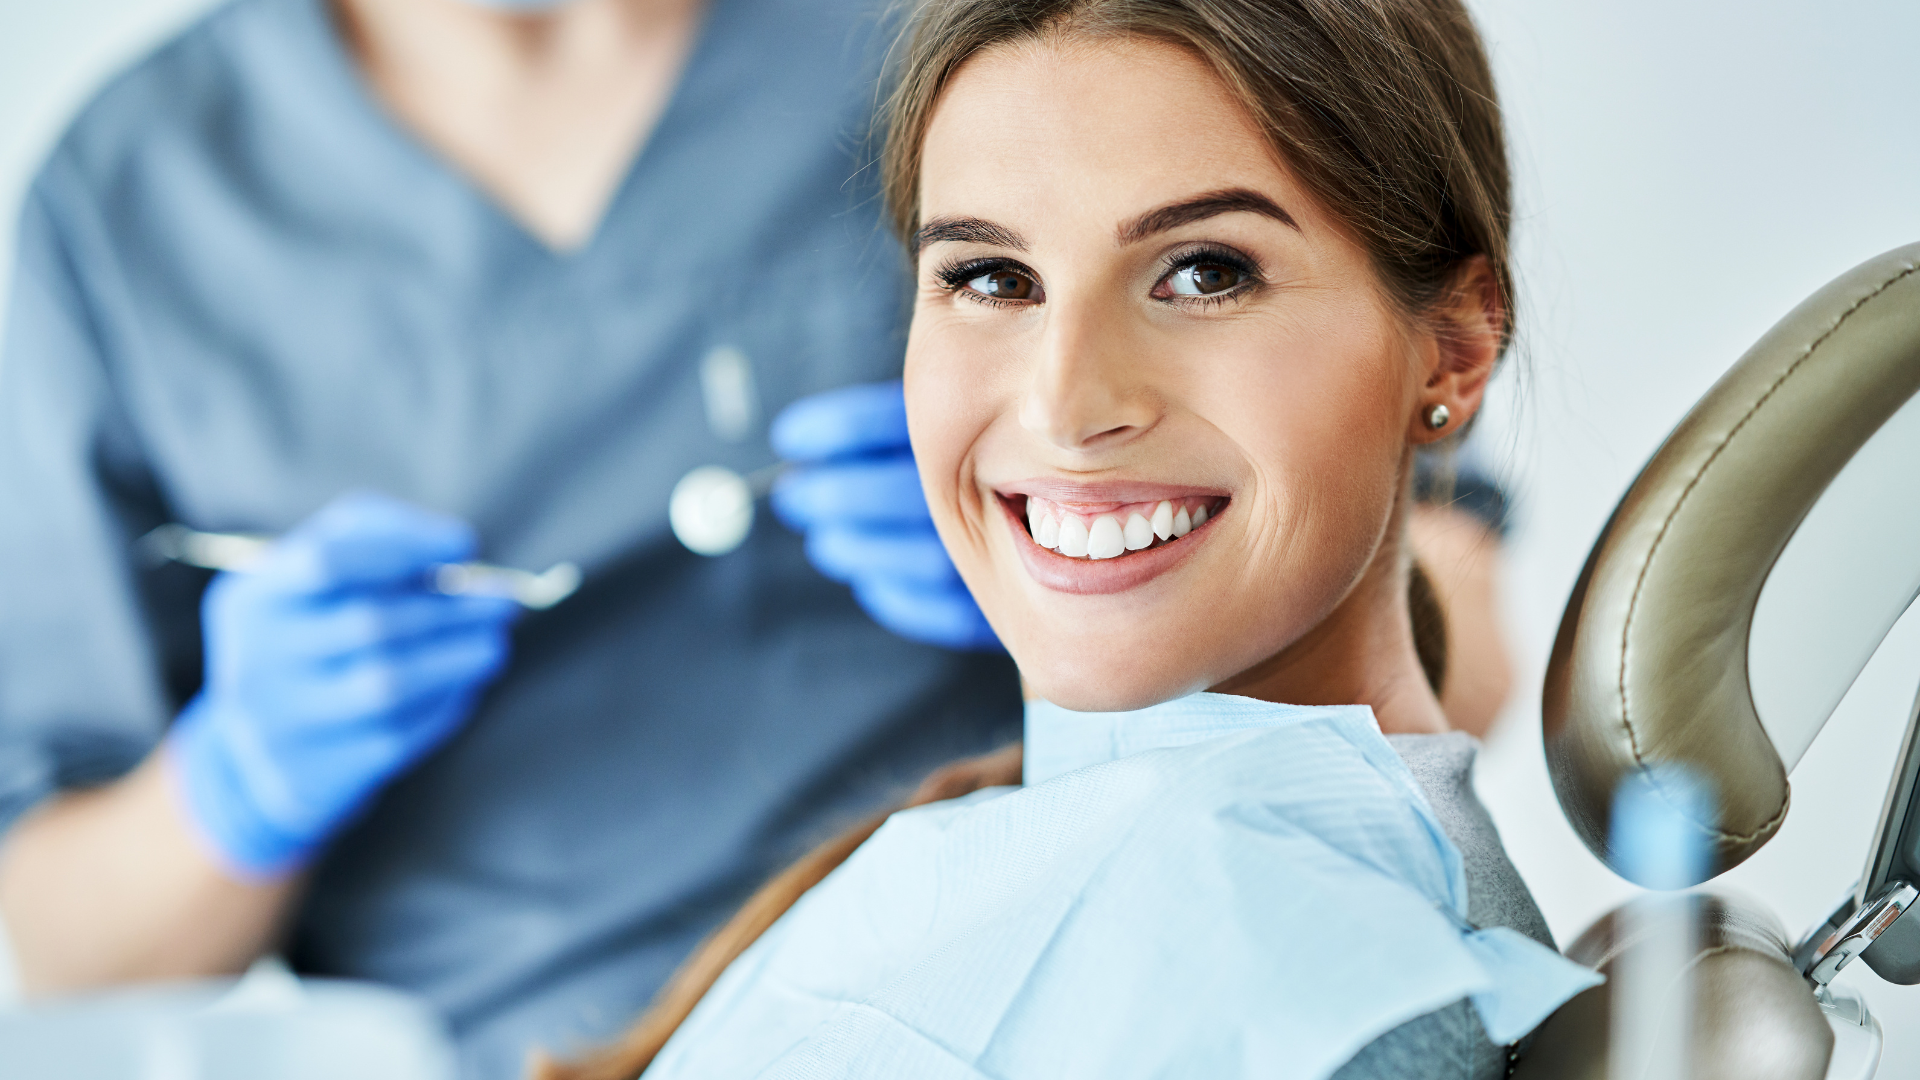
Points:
[(1106, 537)]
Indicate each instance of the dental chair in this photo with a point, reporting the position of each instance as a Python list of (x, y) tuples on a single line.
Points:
[(1658, 660)]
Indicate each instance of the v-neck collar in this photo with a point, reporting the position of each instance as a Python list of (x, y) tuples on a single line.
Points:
[(352, 85)]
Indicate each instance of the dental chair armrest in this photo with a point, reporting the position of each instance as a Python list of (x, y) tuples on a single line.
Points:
[(1754, 1017)]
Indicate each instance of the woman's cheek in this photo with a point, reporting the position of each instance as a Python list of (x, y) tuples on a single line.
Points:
[(939, 425)]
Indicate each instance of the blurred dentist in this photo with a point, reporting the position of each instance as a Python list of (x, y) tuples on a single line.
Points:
[(518, 267)]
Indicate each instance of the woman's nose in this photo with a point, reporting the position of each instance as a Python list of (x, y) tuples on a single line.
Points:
[(1085, 392)]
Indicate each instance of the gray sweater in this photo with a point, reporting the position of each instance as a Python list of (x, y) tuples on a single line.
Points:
[(1449, 1043)]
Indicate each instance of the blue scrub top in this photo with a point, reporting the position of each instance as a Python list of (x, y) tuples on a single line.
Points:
[(243, 289)]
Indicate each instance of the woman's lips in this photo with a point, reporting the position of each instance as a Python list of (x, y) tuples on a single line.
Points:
[(1108, 540)]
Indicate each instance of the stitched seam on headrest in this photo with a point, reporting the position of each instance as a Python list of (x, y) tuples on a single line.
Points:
[(1712, 951), (1633, 604), (1701, 956)]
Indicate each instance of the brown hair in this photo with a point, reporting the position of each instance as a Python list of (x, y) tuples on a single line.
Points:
[(1386, 111)]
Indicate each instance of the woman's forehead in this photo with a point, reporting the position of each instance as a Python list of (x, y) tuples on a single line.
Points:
[(1102, 128)]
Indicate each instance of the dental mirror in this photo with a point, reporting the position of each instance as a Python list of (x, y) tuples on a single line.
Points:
[(711, 509)]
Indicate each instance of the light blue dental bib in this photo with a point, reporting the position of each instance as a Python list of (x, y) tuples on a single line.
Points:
[(1212, 887)]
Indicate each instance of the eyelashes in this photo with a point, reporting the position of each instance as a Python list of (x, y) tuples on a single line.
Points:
[(1210, 253), (1203, 275), (952, 275), (995, 282), (1208, 275)]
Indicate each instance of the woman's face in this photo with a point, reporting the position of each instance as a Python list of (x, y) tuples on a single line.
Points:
[(1160, 403)]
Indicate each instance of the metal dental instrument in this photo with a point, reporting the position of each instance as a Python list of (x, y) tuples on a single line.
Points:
[(235, 551), (711, 508)]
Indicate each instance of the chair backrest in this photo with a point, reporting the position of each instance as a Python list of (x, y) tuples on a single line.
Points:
[(1651, 663)]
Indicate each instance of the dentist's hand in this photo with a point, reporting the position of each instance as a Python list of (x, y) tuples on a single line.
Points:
[(857, 498), (330, 669)]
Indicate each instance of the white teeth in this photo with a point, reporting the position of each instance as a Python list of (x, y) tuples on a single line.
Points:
[(1073, 538), (1106, 539), (1162, 520)]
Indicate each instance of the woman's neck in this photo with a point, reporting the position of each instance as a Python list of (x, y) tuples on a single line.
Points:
[(1361, 654), (542, 109)]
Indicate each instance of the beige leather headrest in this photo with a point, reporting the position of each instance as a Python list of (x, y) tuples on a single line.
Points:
[(1650, 665)]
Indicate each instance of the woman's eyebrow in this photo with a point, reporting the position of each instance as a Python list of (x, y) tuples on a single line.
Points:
[(1187, 211), (967, 230)]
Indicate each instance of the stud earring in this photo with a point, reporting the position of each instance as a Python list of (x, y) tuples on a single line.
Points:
[(1438, 416)]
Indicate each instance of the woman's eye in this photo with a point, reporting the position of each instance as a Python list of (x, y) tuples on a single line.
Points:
[(1004, 285), (1205, 279)]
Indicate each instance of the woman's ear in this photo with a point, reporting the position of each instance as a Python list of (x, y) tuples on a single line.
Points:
[(1468, 327)]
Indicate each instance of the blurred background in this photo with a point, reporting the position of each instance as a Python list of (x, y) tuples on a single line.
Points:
[(1686, 174)]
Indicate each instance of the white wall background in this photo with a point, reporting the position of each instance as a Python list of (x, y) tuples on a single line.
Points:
[(1687, 173)]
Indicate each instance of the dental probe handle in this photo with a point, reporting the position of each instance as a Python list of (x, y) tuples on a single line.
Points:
[(207, 550), (237, 551), (760, 481)]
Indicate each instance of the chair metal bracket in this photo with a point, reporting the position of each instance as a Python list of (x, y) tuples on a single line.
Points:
[(1831, 947)]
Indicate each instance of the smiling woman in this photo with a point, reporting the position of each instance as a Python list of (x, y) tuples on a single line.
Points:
[(1196, 279), (1124, 306)]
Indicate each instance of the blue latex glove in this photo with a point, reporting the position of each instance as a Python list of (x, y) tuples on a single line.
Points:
[(857, 498), (330, 668)]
